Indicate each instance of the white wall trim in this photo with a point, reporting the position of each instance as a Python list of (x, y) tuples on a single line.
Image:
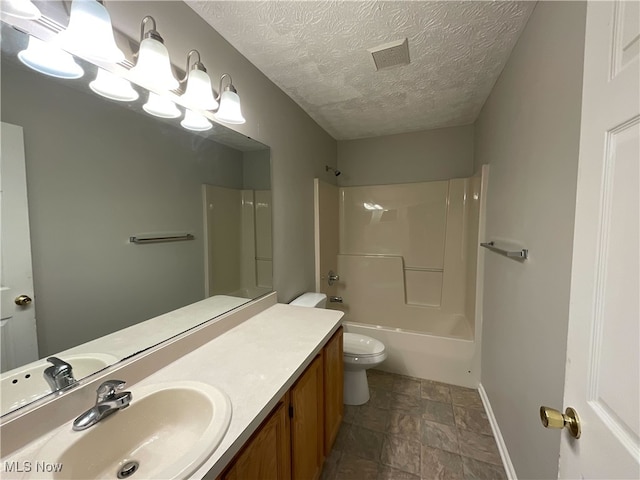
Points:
[(502, 447)]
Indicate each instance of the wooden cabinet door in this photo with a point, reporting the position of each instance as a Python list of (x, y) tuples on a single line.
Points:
[(333, 389), (267, 455), (307, 423)]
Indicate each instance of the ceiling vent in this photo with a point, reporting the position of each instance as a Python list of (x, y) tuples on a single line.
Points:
[(391, 54)]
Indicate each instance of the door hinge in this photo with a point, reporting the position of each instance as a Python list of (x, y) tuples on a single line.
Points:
[(290, 411)]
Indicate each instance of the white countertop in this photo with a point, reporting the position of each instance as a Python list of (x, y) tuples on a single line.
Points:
[(115, 346), (254, 363)]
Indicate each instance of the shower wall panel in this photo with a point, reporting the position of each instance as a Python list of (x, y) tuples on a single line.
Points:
[(263, 239), (408, 220), (223, 233), (404, 254)]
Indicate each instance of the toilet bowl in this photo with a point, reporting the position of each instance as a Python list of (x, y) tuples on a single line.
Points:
[(360, 354)]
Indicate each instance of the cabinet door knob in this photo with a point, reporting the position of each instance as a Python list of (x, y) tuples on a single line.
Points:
[(552, 418)]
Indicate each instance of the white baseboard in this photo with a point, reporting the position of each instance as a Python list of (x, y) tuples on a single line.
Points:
[(502, 447)]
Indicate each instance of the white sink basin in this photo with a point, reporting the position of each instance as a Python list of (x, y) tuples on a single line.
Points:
[(169, 430), (24, 385)]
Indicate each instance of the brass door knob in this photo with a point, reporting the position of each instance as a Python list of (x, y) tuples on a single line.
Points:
[(552, 418), (23, 300)]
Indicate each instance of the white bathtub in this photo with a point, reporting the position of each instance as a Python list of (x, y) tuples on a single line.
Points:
[(408, 266), (448, 359)]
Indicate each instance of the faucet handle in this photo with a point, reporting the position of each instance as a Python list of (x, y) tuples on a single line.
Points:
[(109, 388), (59, 366), (59, 375)]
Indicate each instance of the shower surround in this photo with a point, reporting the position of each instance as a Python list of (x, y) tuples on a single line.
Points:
[(408, 264)]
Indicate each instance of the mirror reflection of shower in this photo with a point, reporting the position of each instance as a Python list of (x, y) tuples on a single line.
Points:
[(237, 241)]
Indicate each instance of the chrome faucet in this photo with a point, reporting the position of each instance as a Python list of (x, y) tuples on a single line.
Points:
[(59, 375), (108, 401)]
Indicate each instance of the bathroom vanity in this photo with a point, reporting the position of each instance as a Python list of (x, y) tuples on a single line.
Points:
[(279, 365), (298, 434)]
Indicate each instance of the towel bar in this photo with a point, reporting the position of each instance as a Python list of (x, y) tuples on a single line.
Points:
[(142, 239), (521, 254)]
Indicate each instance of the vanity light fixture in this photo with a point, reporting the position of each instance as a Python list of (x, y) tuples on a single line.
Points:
[(161, 107), (90, 34), (20, 9), (113, 87), (229, 110), (198, 93), (47, 58), (153, 67)]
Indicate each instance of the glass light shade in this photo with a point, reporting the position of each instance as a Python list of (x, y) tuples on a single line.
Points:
[(161, 107), (153, 67), (90, 33), (20, 9), (195, 121), (48, 59), (199, 92), (114, 87), (229, 111)]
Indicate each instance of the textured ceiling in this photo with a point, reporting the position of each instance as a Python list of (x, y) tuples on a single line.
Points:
[(317, 53)]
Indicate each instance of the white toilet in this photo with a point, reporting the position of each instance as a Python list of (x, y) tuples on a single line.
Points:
[(360, 353)]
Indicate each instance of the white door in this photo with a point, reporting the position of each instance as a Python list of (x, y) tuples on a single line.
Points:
[(18, 340), (603, 349)]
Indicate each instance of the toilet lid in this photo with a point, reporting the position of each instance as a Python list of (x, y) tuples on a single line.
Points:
[(361, 345)]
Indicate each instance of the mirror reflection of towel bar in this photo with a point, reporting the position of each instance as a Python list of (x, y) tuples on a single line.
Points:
[(141, 239), (522, 254)]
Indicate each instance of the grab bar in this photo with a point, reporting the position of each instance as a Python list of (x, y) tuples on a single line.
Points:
[(521, 254), (141, 239)]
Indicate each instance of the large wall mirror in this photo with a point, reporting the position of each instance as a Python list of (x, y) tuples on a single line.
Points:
[(107, 186)]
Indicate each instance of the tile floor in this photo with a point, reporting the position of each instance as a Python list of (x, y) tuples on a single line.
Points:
[(414, 429)]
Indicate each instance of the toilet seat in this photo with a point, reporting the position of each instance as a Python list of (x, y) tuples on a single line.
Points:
[(361, 346)]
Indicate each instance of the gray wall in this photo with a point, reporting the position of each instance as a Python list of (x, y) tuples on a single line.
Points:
[(98, 173), (528, 131), (256, 170), (299, 147), (428, 155)]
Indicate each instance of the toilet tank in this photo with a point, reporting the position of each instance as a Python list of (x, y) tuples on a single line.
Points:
[(310, 299)]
